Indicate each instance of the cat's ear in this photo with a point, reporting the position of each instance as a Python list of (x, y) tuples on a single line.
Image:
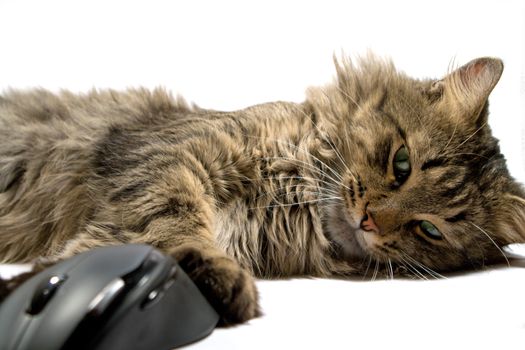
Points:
[(510, 219), (467, 88)]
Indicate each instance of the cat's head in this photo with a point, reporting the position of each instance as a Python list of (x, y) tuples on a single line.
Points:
[(423, 179)]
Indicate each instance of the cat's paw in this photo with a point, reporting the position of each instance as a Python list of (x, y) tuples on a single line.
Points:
[(229, 288)]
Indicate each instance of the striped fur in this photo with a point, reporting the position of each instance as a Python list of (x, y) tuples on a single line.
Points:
[(274, 190)]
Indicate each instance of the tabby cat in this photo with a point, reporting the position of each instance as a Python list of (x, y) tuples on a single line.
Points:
[(376, 173)]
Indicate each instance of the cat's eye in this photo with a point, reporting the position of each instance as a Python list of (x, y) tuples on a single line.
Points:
[(430, 230), (401, 165)]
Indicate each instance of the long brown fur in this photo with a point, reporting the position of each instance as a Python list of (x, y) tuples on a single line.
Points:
[(274, 190)]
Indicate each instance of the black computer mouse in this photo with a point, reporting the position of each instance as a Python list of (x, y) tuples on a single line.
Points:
[(121, 297)]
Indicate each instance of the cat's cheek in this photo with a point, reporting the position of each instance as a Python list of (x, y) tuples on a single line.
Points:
[(354, 210), (354, 219), (374, 243)]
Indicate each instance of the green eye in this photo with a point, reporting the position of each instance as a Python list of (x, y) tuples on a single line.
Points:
[(401, 164), (430, 230)]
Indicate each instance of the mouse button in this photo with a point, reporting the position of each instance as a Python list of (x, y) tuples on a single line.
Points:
[(13, 329), (121, 260), (64, 266), (152, 298), (32, 337), (44, 292), (106, 263), (146, 271), (172, 276), (156, 293), (101, 310), (106, 297)]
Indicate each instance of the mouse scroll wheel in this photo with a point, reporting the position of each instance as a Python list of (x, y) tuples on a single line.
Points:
[(44, 292)]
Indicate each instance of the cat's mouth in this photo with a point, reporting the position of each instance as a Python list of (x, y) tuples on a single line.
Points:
[(344, 227), (363, 245), (366, 239), (354, 246)]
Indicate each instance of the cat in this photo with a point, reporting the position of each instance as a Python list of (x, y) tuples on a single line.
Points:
[(374, 173)]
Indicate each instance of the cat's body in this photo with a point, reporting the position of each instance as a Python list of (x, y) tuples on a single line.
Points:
[(374, 170), (93, 169)]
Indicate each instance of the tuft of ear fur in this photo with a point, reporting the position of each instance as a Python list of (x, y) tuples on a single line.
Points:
[(510, 219), (357, 82), (467, 88)]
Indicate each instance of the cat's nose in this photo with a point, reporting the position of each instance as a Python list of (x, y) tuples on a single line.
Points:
[(368, 223)]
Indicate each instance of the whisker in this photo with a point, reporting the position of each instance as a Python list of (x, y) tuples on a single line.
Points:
[(346, 131), (390, 268), (469, 154), (282, 192), (306, 165), (375, 271), (296, 203), (404, 266), (330, 143), (305, 151), (330, 188), (472, 135), (425, 268), (367, 266), (299, 178), (311, 168), (414, 270), (451, 137), (490, 238)]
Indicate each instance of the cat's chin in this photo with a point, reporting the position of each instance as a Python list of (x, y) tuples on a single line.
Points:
[(355, 249)]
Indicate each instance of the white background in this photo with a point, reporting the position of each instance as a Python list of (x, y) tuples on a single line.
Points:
[(232, 54)]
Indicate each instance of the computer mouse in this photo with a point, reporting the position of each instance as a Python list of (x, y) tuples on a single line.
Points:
[(120, 297)]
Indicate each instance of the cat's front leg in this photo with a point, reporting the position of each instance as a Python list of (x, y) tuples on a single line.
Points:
[(176, 213), (171, 203), (228, 287)]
